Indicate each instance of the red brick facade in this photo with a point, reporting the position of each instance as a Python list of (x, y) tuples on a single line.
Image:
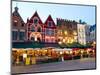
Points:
[(34, 28), (18, 27), (50, 30), (42, 32), (47, 32)]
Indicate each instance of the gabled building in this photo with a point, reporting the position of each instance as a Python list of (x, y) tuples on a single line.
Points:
[(66, 31), (49, 30), (34, 28), (18, 27)]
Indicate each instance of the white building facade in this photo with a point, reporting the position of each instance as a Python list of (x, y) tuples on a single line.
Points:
[(81, 33)]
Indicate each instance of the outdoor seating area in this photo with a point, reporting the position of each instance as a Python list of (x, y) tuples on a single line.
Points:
[(30, 56)]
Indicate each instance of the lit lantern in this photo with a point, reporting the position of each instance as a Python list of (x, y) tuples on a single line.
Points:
[(70, 40), (45, 50), (38, 50), (88, 50), (35, 38), (74, 33), (60, 37), (70, 52), (61, 53), (94, 42), (93, 51), (60, 42), (64, 40), (66, 52), (24, 55), (75, 37), (82, 51), (65, 32)]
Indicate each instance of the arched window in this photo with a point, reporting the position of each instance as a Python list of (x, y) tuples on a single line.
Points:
[(35, 20)]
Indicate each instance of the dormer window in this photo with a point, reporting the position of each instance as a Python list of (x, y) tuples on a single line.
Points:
[(49, 23), (35, 20)]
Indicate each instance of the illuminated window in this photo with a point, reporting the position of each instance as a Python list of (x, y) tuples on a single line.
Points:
[(65, 32), (75, 33), (61, 32)]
